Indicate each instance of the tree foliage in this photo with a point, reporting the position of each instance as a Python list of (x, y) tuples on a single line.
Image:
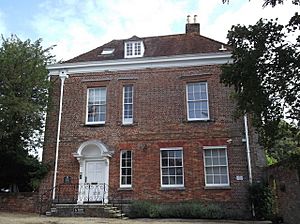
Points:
[(23, 100), (265, 73), (272, 3), (286, 144)]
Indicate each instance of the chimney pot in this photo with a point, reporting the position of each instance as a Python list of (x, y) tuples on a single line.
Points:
[(188, 19), (195, 18), (192, 27)]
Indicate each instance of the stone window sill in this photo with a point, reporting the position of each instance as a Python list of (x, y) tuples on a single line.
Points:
[(217, 187), (172, 188), (125, 189)]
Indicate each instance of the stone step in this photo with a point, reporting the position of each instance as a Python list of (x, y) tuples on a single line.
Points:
[(85, 210)]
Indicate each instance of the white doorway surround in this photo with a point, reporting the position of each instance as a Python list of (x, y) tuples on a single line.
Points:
[(93, 157)]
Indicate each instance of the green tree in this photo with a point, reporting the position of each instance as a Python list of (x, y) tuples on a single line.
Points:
[(23, 99), (265, 74), (273, 3), (286, 144)]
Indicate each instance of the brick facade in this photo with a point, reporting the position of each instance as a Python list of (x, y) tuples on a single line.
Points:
[(160, 120)]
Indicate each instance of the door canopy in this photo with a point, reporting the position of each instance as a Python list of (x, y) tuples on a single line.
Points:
[(92, 149)]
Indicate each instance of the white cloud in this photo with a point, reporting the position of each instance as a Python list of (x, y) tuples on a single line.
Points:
[(248, 13), (78, 26)]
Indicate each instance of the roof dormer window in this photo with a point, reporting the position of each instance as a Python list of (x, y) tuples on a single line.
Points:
[(134, 49)]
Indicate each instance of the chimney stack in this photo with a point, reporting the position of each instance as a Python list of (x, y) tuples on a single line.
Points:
[(192, 27)]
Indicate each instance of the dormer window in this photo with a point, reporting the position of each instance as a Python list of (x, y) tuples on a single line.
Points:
[(134, 49)]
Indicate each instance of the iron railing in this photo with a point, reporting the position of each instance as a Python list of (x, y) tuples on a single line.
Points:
[(80, 194)]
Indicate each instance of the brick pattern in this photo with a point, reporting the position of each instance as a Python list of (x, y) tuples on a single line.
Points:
[(19, 202), (287, 186), (160, 121)]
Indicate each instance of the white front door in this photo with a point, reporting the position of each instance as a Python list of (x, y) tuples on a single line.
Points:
[(95, 188), (95, 172)]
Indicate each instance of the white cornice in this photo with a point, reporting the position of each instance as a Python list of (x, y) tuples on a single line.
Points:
[(142, 63)]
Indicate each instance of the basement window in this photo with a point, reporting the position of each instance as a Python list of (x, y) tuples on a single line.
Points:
[(134, 49)]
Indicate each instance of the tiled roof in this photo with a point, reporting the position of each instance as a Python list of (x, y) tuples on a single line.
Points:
[(191, 43)]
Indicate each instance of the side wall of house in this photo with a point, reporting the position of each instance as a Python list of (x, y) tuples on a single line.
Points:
[(160, 121)]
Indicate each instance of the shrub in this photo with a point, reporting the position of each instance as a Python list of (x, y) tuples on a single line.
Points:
[(260, 195), (145, 209), (140, 209)]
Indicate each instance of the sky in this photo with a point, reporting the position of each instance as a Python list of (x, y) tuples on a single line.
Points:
[(77, 26)]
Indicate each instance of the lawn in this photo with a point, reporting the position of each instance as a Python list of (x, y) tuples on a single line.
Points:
[(16, 218)]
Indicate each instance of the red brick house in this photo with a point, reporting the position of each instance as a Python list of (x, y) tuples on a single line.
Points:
[(148, 119)]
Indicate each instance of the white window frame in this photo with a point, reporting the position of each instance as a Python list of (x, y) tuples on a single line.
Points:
[(227, 168), (134, 45), (161, 176), (187, 102), (126, 121), (87, 106), (125, 185)]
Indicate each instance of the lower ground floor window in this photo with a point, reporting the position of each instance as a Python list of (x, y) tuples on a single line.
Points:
[(171, 160), (216, 166)]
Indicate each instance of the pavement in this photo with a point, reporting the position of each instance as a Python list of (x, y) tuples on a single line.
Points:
[(18, 218)]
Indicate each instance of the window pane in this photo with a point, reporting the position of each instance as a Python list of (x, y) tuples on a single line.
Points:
[(191, 114), (209, 179), (215, 152), (203, 95), (209, 170), (197, 87), (172, 171), (165, 180), (197, 95), (164, 154), (171, 162), (223, 170), (178, 162), (164, 162), (123, 180), (178, 171), (128, 162), (208, 161), (222, 152), (178, 153), (128, 180), (203, 105), (171, 153), (223, 161), (215, 161), (165, 171), (172, 180), (217, 179), (224, 179), (179, 180)]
